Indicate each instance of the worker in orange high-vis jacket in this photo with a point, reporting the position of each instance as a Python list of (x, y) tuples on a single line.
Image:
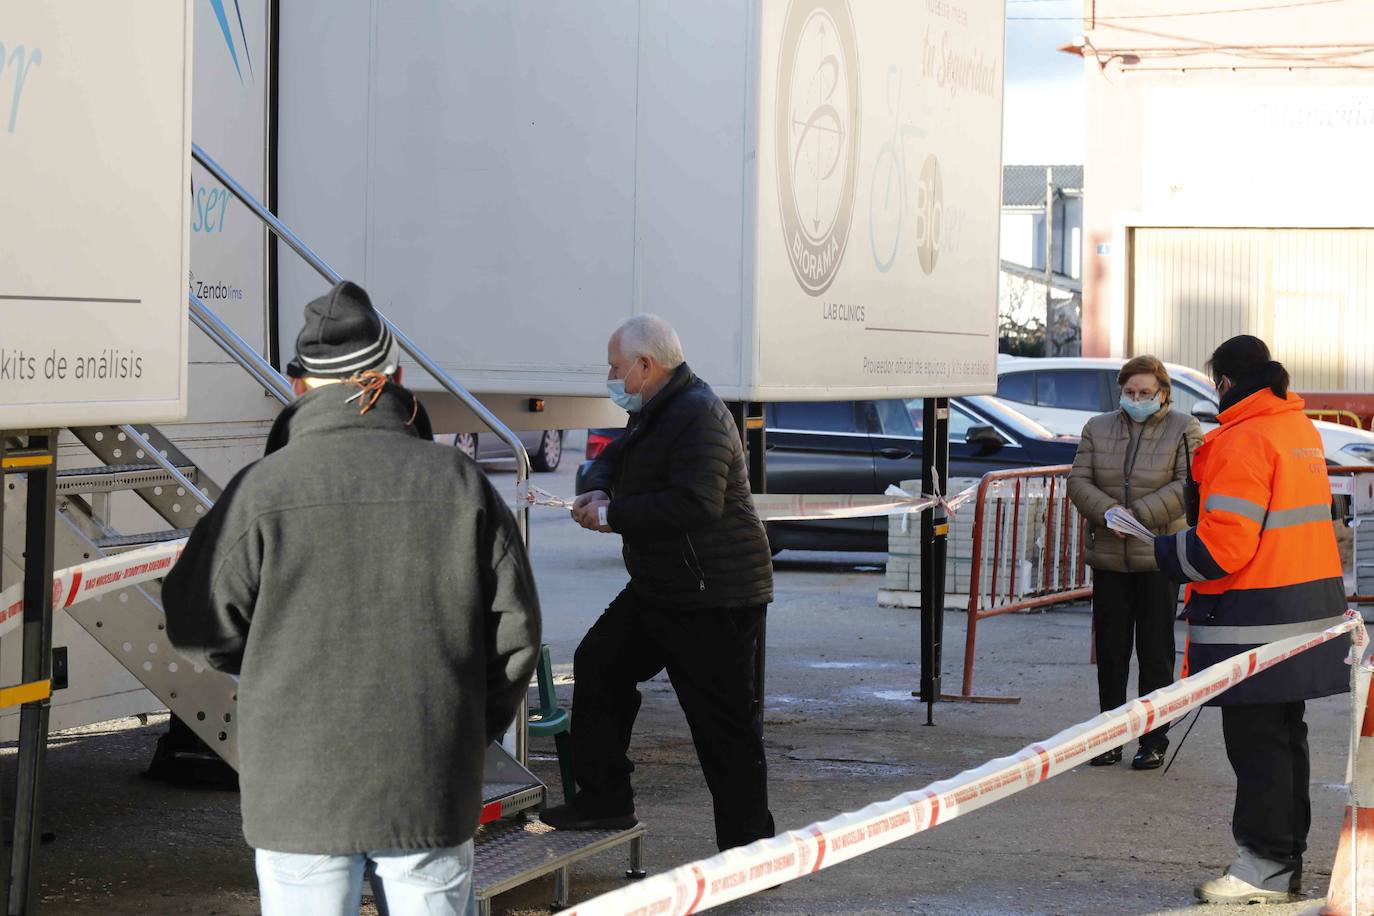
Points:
[(1263, 565)]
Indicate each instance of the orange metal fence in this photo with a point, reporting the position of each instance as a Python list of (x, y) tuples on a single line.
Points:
[(1028, 544), (1343, 417)]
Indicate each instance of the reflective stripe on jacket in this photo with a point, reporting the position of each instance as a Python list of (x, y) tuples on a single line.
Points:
[(1262, 560)]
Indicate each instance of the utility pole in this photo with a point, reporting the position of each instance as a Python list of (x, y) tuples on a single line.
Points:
[(1049, 256)]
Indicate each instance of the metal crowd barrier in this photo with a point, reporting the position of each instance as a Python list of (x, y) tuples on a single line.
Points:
[(1353, 489), (1028, 544), (1343, 417)]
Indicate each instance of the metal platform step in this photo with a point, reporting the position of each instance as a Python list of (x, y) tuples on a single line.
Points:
[(507, 787), (123, 542), (511, 853), (115, 478)]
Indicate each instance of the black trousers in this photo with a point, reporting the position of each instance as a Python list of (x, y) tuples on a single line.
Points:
[(1267, 746), (1137, 606), (710, 660)]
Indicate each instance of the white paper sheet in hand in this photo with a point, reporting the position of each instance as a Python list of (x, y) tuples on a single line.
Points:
[(1118, 519)]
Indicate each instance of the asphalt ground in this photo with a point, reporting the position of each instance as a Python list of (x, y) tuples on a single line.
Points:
[(842, 730)]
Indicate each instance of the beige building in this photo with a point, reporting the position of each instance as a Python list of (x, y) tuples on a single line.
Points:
[(1230, 178)]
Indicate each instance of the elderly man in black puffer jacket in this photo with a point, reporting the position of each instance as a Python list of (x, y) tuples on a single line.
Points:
[(701, 577)]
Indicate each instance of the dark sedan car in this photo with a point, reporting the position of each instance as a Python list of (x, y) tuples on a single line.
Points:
[(863, 446)]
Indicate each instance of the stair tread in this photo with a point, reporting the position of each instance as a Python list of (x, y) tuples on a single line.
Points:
[(135, 467), (146, 537)]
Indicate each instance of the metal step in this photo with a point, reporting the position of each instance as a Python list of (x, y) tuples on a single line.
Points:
[(116, 478), (507, 787), (122, 543), (110, 445), (129, 631), (508, 854)]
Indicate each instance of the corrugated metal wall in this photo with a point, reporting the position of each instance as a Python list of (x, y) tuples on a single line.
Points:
[(1306, 292)]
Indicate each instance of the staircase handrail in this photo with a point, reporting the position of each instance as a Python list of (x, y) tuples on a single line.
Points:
[(447, 382)]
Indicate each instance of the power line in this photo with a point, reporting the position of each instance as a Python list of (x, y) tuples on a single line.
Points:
[(1344, 55), (1201, 45), (1175, 15)]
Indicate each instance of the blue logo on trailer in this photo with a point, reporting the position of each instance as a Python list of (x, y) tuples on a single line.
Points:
[(18, 65), (222, 16)]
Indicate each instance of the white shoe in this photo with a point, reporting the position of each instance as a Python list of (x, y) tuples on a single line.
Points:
[(1230, 889)]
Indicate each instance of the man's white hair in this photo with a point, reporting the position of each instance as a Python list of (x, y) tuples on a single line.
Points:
[(650, 335)]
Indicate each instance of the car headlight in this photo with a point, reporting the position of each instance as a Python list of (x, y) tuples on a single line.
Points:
[(1360, 451)]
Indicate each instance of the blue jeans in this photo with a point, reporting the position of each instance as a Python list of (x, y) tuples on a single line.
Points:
[(406, 882)]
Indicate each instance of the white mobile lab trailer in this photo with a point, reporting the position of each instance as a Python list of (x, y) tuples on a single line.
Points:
[(808, 190)]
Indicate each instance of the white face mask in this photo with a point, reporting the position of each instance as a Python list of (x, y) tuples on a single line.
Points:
[(615, 387), (1140, 411)]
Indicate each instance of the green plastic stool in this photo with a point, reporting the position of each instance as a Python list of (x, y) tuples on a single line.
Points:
[(548, 719)]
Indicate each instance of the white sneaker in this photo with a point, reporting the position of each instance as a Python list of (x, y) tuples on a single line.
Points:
[(1230, 889)]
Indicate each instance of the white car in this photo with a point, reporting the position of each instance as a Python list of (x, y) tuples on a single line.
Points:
[(1062, 393)]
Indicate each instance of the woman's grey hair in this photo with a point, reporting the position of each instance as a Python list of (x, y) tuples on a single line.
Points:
[(650, 335)]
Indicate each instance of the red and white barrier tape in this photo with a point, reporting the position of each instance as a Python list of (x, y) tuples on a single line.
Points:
[(529, 494), (97, 577), (766, 863), (787, 507)]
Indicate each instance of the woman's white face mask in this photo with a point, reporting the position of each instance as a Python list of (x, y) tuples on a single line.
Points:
[(1141, 397), (1140, 411)]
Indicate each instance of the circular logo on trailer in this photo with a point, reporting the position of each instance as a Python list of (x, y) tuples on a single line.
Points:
[(817, 137)]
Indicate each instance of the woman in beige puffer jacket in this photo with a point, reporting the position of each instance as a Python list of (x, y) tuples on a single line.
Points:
[(1135, 457)]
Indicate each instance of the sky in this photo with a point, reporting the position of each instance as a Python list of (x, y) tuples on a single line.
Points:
[(1043, 107)]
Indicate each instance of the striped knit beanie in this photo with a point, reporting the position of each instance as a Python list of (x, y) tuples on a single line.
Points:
[(343, 336)]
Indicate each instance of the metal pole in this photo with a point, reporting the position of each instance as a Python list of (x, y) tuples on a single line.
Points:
[(934, 535), (749, 419), (228, 340), (195, 492), (756, 454), (1049, 254), (1353, 799), (41, 518)]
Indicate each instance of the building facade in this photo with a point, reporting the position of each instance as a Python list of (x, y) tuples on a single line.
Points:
[(1229, 154)]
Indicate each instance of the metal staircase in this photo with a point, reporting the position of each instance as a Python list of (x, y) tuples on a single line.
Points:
[(129, 625)]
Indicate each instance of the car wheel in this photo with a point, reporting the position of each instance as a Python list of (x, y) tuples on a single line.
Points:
[(467, 444), (550, 451)]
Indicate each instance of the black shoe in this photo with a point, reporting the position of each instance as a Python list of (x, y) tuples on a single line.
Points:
[(568, 817), (1148, 758), (1106, 758)]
